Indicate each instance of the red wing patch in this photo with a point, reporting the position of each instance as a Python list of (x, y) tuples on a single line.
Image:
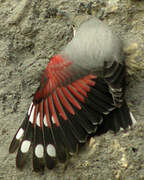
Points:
[(61, 116), (55, 74)]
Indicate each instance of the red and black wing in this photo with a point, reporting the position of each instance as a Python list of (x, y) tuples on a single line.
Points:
[(62, 115)]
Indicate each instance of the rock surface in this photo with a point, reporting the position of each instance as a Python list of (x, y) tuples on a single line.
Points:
[(31, 32)]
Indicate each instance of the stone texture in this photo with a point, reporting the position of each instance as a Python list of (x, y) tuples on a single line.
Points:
[(31, 32)]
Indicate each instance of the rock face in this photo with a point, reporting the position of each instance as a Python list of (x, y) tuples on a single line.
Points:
[(31, 32)]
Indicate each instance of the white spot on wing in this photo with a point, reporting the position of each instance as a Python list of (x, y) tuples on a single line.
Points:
[(19, 133), (132, 118), (45, 121), (121, 129), (25, 146), (38, 120), (30, 108), (32, 115), (51, 150), (39, 150), (74, 31), (53, 121)]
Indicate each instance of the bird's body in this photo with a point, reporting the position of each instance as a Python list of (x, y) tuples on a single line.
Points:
[(93, 44), (81, 93)]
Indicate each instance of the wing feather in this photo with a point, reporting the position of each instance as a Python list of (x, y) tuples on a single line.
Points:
[(66, 110)]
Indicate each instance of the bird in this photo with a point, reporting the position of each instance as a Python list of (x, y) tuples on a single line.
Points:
[(81, 94)]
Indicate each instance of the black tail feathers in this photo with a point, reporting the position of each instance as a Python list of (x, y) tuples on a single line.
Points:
[(116, 119)]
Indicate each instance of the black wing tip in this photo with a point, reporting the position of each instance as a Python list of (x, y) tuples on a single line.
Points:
[(14, 145), (16, 140), (18, 136), (50, 163), (38, 166), (20, 161)]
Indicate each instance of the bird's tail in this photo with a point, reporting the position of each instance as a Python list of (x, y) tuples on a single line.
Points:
[(119, 118)]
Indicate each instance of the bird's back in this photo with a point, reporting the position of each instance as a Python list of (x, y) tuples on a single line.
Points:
[(94, 43)]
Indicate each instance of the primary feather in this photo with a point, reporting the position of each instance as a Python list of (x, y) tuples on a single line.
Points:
[(81, 93)]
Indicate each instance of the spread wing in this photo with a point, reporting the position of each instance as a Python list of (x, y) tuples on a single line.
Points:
[(64, 112)]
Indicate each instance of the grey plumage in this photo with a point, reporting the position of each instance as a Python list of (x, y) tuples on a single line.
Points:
[(94, 43)]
